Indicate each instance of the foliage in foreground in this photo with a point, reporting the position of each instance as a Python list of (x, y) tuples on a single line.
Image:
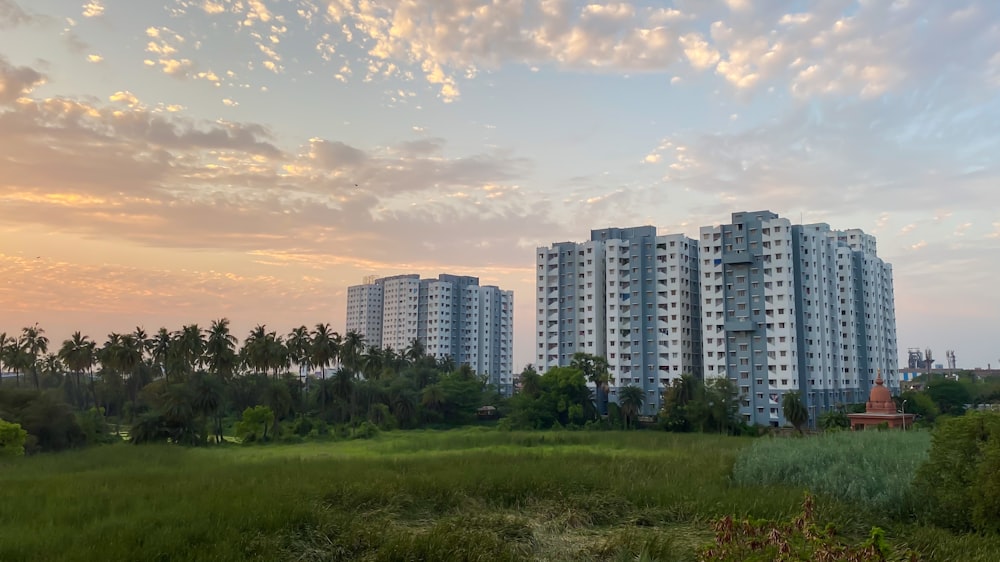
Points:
[(961, 479), (12, 438), (869, 468), (472, 494), (797, 540)]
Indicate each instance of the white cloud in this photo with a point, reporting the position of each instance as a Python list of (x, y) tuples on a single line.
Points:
[(93, 9), (698, 51), (126, 98)]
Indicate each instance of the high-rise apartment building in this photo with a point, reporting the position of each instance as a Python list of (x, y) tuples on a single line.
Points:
[(627, 295), (794, 308), (772, 306), (452, 316)]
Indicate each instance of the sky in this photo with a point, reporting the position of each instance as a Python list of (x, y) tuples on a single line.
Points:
[(168, 163)]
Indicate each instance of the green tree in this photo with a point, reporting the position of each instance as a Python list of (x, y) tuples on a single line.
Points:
[(192, 344), (950, 396), (352, 351), (676, 413), (794, 410), (324, 350), (630, 400), (834, 420), (34, 344), (299, 345), (961, 477), (207, 401), (595, 371), (220, 349), (921, 405), (254, 423), (77, 353), (12, 439), (6, 342), (560, 396)]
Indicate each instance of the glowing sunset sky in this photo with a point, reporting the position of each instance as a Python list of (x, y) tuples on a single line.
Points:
[(176, 162)]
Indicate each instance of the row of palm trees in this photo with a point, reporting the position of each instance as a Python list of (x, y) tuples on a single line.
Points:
[(214, 349)]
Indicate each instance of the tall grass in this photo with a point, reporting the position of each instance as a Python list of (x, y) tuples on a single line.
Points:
[(872, 469), (455, 495)]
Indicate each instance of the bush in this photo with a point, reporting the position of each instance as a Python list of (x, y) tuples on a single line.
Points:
[(254, 424), (302, 427), (12, 438), (365, 430), (95, 428), (798, 539), (961, 479)]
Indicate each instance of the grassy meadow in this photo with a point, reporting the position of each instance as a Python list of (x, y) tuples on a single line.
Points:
[(471, 494)]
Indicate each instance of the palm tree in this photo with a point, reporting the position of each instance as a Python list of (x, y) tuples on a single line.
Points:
[(433, 398), (220, 349), (129, 358), (343, 386), (276, 354), (77, 353), (324, 347), (447, 364), (254, 351), (794, 410), (351, 351), (207, 402), (160, 351), (52, 368), (595, 371), (9, 351), (299, 345), (145, 342), (415, 351), (373, 363), (192, 345), (630, 399), (34, 342), (403, 406), (5, 343)]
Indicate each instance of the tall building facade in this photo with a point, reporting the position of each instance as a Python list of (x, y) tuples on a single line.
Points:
[(628, 295), (794, 308), (364, 310), (452, 316), (772, 306)]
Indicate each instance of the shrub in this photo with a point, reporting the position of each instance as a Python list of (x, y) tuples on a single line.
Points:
[(799, 539), (961, 479), (95, 428), (365, 430), (254, 424), (12, 438)]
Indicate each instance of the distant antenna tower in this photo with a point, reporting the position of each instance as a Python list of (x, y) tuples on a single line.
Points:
[(950, 354)]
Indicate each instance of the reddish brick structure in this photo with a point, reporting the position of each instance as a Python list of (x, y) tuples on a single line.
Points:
[(880, 409)]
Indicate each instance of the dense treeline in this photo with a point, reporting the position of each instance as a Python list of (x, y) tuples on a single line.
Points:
[(193, 385), (196, 385)]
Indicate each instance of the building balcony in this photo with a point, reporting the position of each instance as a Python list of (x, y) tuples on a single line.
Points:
[(740, 324), (737, 257)]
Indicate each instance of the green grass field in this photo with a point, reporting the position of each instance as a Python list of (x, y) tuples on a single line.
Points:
[(472, 494)]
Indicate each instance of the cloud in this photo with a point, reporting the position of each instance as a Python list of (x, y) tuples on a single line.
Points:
[(814, 53), (93, 9), (125, 97), (12, 15), (154, 178), (16, 81)]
